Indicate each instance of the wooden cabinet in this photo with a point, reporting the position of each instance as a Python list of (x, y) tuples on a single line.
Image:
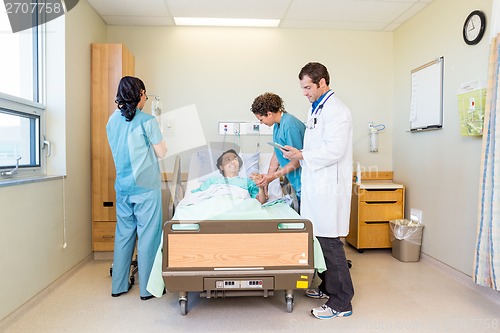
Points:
[(110, 62), (373, 205)]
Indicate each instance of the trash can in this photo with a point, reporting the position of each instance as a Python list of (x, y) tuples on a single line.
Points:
[(406, 239)]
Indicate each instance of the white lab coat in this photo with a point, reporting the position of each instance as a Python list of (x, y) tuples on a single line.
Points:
[(327, 169)]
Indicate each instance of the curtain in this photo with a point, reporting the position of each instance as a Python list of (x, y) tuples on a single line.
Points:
[(487, 256)]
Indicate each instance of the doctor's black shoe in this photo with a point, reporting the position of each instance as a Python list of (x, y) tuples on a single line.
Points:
[(145, 298)]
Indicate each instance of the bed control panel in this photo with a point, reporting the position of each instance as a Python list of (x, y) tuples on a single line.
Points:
[(235, 284), (239, 283)]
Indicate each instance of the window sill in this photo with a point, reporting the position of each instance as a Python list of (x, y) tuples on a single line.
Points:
[(4, 182)]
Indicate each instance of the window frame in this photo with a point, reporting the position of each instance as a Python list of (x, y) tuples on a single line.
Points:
[(35, 108)]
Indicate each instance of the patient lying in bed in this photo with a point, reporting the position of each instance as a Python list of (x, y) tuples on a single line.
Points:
[(229, 183)]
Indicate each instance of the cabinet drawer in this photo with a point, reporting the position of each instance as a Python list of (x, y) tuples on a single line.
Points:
[(374, 235), (380, 195), (380, 211), (103, 236)]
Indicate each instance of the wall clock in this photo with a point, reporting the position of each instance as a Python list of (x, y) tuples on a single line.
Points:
[(474, 27)]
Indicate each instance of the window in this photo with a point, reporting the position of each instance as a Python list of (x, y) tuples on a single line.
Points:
[(19, 139), (21, 109)]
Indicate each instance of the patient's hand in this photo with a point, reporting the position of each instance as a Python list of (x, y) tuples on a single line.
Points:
[(262, 180), (256, 177)]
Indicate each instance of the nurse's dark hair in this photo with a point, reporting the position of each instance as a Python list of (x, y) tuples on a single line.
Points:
[(221, 157), (129, 95), (316, 72), (267, 102)]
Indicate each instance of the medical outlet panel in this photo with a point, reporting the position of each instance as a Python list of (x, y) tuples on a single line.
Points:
[(244, 128)]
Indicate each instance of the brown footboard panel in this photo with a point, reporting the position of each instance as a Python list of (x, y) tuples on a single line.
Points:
[(237, 257)]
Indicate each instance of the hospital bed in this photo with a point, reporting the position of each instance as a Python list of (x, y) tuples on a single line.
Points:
[(247, 250)]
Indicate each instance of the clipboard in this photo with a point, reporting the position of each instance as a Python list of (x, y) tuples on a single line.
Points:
[(277, 145)]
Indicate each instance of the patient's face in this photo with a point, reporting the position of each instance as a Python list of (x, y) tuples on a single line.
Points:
[(230, 165)]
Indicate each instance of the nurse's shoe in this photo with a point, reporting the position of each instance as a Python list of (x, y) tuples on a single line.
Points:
[(145, 298), (316, 293), (326, 312), (124, 292)]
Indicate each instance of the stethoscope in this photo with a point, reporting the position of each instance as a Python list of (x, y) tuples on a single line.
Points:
[(311, 123)]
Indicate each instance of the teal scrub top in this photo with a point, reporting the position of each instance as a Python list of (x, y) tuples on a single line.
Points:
[(289, 132), (131, 143), (244, 183)]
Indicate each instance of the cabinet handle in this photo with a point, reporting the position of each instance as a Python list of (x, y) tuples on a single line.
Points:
[(107, 204), (376, 222), (108, 236), (380, 189), (380, 202)]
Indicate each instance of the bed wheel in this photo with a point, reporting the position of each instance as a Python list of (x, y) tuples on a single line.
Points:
[(289, 304), (183, 305), (111, 271)]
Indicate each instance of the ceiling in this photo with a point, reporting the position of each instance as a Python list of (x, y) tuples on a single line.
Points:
[(366, 15)]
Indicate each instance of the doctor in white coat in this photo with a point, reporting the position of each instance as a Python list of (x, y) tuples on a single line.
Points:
[(326, 160)]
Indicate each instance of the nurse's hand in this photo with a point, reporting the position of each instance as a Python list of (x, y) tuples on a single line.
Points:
[(257, 178), (292, 153)]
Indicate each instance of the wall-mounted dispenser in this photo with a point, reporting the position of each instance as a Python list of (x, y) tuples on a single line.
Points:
[(374, 129), (156, 107)]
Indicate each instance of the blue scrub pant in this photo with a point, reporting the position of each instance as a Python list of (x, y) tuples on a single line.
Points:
[(137, 215), (336, 280)]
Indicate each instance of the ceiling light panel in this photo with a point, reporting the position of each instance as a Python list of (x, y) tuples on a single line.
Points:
[(263, 9), (226, 22)]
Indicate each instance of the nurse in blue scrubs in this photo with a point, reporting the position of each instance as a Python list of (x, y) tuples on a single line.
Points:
[(268, 108), (136, 144)]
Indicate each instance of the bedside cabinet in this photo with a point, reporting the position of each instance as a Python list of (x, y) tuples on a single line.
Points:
[(373, 205)]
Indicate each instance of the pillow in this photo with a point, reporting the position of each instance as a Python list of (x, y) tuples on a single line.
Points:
[(200, 165), (264, 161), (206, 160), (250, 164)]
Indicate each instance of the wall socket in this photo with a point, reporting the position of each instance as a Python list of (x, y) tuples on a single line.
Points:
[(415, 215)]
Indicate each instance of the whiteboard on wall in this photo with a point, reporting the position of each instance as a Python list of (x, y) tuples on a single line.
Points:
[(426, 106)]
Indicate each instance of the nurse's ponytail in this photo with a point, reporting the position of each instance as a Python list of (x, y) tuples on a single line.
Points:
[(129, 95)]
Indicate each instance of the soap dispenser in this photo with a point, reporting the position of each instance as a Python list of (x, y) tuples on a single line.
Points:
[(358, 173)]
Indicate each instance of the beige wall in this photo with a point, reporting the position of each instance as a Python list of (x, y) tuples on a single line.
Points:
[(33, 216), (221, 71), (440, 168)]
